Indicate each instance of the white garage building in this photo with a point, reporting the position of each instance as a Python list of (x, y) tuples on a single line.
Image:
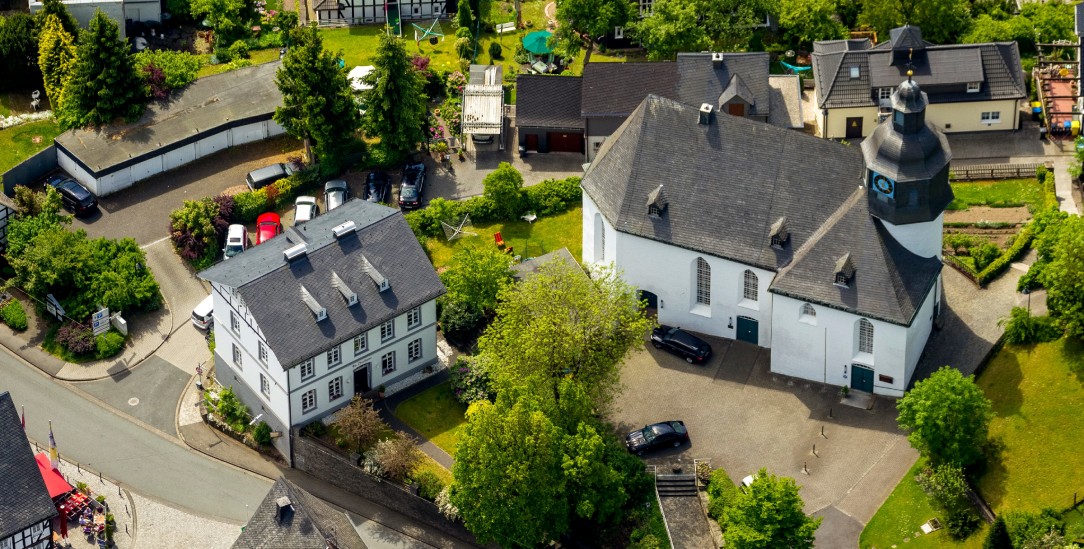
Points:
[(211, 114)]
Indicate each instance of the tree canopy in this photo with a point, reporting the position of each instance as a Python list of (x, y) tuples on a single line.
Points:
[(947, 416), (769, 514), (559, 323), (60, 11), (1063, 275), (502, 187), (672, 27), (56, 57), (942, 21), (806, 21), (18, 51), (589, 20), (317, 104), (477, 275), (103, 85), (397, 102)]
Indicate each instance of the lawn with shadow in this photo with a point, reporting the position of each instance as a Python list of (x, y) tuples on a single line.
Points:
[(436, 415), (544, 235)]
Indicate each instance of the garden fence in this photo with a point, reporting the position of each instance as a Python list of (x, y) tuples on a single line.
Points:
[(995, 171)]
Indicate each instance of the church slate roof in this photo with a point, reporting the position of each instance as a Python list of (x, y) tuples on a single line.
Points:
[(310, 525), (728, 182), (24, 500), (995, 65)]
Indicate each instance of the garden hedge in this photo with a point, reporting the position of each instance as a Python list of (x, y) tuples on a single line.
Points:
[(997, 266), (14, 315)]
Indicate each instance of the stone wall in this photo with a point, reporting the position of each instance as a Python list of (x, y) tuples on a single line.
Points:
[(329, 465)]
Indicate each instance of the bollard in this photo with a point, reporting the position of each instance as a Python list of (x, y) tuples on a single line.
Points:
[(126, 529), (815, 449), (822, 432), (78, 467), (100, 477), (805, 468), (830, 412), (126, 511)]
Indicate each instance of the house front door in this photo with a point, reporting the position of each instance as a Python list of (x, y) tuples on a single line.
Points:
[(854, 127), (861, 378), (361, 380), (748, 330)]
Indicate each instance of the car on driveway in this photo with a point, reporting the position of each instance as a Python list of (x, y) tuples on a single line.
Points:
[(258, 179), (411, 186), (305, 208), (336, 192), (236, 241), (681, 343), (378, 187), (75, 198), (657, 436), (268, 226)]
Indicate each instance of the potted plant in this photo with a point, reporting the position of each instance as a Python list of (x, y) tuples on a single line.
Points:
[(441, 148), (844, 391), (380, 390)]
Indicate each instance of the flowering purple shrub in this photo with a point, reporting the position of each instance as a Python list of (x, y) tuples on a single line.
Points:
[(470, 382), (156, 82), (77, 339)]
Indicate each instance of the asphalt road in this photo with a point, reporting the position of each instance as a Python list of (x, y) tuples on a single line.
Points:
[(148, 393), (136, 457)]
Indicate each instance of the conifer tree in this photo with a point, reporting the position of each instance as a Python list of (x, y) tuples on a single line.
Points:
[(397, 101), (103, 85), (56, 57)]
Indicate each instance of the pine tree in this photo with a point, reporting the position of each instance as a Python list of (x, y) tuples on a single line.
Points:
[(57, 8), (103, 85), (56, 57), (317, 105), (397, 102), (465, 17)]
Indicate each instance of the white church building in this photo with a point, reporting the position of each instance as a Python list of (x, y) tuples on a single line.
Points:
[(827, 254)]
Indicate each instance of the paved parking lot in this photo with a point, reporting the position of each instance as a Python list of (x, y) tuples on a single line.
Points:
[(743, 418)]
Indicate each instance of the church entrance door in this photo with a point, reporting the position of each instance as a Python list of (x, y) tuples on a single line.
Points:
[(748, 330)]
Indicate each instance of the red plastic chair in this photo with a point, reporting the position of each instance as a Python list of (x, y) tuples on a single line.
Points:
[(498, 239)]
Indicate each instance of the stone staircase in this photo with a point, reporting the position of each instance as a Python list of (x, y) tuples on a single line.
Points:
[(670, 486)]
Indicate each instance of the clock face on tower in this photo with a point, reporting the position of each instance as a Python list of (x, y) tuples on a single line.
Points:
[(882, 184)]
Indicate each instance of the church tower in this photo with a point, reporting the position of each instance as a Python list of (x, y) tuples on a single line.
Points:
[(907, 170)]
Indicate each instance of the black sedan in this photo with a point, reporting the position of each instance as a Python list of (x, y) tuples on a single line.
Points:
[(75, 198), (410, 189), (653, 437), (693, 349), (377, 187)]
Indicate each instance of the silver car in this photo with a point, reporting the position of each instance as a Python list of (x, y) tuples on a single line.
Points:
[(336, 192), (305, 208)]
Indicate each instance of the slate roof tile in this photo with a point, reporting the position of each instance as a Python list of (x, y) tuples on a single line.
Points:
[(24, 499), (615, 89), (544, 101), (309, 525)]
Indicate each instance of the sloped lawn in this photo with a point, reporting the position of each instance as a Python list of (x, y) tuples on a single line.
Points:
[(1002, 193), (436, 415), (546, 234), (18, 142)]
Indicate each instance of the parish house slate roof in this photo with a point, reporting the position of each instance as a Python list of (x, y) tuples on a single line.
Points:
[(24, 499), (544, 101), (699, 81), (729, 181), (309, 525), (942, 70), (270, 286)]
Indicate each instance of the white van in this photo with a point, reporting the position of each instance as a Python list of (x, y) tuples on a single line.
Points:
[(202, 316)]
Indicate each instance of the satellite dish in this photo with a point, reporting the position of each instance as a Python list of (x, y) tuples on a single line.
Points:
[(789, 53)]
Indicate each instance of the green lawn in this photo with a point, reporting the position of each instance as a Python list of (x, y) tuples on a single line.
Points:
[(1038, 396), (903, 514), (17, 143), (258, 57), (998, 194), (429, 464), (436, 415), (545, 235)]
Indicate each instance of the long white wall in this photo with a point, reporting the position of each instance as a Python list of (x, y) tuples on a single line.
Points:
[(127, 177), (669, 272)]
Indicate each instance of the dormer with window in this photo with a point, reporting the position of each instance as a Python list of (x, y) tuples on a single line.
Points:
[(779, 233), (656, 203), (844, 271)]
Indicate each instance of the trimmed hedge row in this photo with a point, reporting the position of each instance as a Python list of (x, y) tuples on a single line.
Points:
[(997, 266)]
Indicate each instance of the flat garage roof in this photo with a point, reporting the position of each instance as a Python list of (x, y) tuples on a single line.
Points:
[(205, 106)]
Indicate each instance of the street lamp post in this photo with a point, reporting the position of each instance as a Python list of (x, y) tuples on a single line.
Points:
[(199, 375)]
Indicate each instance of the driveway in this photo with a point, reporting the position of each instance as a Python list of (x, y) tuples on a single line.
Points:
[(742, 418)]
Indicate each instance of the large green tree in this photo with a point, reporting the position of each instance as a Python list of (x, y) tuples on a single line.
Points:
[(947, 417), (1063, 276), (502, 188), (317, 104), (769, 515), (806, 21), (60, 11), (559, 323), (731, 23), (56, 57), (587, 21), (476, 276), (942, 21), (103, 84), (672, 27), (225, 16), (18, 52), (397, 102)]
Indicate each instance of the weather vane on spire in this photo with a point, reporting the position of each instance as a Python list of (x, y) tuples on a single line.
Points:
[(910, 64)]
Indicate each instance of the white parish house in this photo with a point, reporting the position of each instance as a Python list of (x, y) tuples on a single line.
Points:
[(335, 306), (828, 254)]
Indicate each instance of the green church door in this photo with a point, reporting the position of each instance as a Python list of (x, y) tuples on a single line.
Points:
[(748, 330), (861, 378)]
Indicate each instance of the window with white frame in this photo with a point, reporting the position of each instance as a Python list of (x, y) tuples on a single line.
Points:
[(361, 344), (307, 369), (387, 363), (414, 350), (749, 290), (265, 386), (308, 401), (974, 87), (237, 355), (855, 72), (387, 330), (703, 281), (807, 314), (414, 318), (235, 323), (645, 7), (334, 356), (884, 93), (865, 336), (619, 33), (991, 117), (262, 351), (335, 388)]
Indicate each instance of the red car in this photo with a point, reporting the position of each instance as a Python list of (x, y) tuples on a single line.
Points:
[(267, 227)]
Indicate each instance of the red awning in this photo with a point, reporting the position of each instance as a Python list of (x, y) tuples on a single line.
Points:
[(53, 480)]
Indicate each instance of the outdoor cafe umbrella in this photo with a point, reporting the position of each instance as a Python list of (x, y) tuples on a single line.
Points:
[(538, 42)]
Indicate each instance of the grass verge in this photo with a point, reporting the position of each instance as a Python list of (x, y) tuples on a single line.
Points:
[(545, 235), (1003, 193), (429, 464), (51, 346), (257, 57), (436, 415), (18, 143)]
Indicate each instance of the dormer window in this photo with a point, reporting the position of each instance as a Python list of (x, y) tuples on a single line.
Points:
[(656, 203), (844, 271), (855, 73), (974, 87), (779, 233), (654, 211)]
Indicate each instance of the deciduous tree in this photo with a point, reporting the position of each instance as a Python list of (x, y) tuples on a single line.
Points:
[(476, 275), (56, 57), (397, 102), (942, 21), (769, 514), (398, 456), (360, 423), (317, 104), (589, 20), (103, 85), (673, 27), (502, 187), (1063, 276), (806, 21), (223, 15), (18, 52), (947, 416)]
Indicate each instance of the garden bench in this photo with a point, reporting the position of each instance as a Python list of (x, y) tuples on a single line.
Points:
[(506, 27)]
